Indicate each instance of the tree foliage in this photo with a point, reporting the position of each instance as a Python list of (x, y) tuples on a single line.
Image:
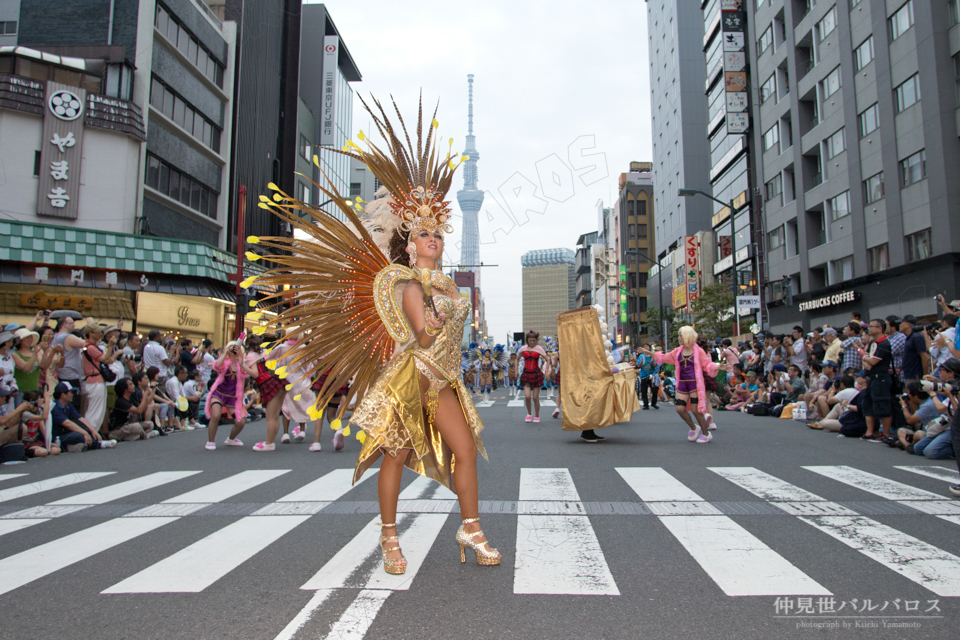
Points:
[(714, 311)]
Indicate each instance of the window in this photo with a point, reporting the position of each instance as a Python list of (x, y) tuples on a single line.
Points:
[(355, 189), (863, 54), (774, 187), (831, 84), (918, 246), (914, 168), (36, 163), (953, 7), (836, 144), (766, 39), (170, 182), (901, 20), (306, 148), (8, 28), (956, 68), (908, 93), (768, 89), (879, 257), (771, 137), (841, 270), (829, 22), (869, 120), (190, 47), (163, 99), (775, 238), (873, 188), (303, 192), (641, 231), (839, 205)]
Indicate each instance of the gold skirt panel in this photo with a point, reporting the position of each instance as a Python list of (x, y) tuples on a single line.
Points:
[(591, 396), (394, 418)]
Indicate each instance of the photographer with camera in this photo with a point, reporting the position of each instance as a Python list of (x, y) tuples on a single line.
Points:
[(876, 363)]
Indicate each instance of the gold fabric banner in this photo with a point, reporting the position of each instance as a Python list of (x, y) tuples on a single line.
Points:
[(591, 396)]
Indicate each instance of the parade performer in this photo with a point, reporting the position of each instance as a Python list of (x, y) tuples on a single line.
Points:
[(272, 390), (512, 374), (486, 365), (691, 363), (533, 357), (595, 394), (226, 395), (300, 398), (333, 408), (381, 312), (556, 381)]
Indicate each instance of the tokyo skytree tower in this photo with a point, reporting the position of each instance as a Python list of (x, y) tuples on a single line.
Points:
[(470, 197)]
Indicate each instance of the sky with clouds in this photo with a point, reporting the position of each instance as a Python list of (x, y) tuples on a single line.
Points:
[(561, 107)]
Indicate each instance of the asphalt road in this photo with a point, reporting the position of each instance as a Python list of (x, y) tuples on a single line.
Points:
[(770, 531)]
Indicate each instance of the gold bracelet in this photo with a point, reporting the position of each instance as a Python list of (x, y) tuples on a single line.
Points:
[(431, 331)]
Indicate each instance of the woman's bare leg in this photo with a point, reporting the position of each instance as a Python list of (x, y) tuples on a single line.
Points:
[(682, 410), (526, 398), (388, 492), (216, 410), (536, 402), (237, 427), (273, 416)]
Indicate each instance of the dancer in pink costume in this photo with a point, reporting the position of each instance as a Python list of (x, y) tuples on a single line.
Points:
[(691, 363), (226, 395)]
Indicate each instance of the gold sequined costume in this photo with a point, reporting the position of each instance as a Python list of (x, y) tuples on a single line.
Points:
[(347, 285), (391, 412)]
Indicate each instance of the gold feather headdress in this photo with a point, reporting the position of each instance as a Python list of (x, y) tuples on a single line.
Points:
[(330, 273)]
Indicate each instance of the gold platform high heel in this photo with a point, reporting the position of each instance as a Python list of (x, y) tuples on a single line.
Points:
[(393, 567), (465, 539)]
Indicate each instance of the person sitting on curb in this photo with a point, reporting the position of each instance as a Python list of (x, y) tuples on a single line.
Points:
[(74, 432), (124, 424)]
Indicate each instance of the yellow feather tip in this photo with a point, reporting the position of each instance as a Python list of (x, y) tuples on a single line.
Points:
[(245, 284), (435, 123), (361, 436), (254, 316), (360, 135), (464, 158), (335, 424), (264, 205), (297, 397), (273, 187), (253, 303), (271, 364), (253, 257), (346, 431), (254, 239), (277, 197), (259, 331), (288, 387)]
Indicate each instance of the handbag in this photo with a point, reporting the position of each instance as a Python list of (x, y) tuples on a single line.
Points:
[(105, 371)]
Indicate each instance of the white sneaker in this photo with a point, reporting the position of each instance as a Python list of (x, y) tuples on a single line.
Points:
[(210, 446), (108, 444), (188, 428), (298, 435), (233, 443), (315, 446), (285, 439), (152, 434), (200, 425)]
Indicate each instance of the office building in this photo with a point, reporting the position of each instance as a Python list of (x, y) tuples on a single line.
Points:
[(587, 245), (293, 97), (858, 125), (631, 238), (363, 184), (681, 150), (548, 280)]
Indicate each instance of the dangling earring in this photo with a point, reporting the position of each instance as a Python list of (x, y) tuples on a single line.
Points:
[(412, 250)]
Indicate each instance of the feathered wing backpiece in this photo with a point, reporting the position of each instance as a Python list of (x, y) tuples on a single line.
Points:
[(331, 274)]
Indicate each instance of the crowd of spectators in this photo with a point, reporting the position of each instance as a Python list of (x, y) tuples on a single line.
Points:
[(64, 388)]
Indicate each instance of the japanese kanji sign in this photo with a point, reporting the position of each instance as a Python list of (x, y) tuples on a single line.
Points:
[(328, 109), (691, 256), (40, 300), (60, 151)]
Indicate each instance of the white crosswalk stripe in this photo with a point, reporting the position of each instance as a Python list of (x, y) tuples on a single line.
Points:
[(889, 489), (52, 483), (739, 562), (11, 476), (558, 554), (928, 566), (128, 488), (940, 473)]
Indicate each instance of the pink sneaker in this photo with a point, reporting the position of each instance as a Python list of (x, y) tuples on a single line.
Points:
[(210, 446), (692, 435), (704, 439), (536, 419), (315, 446), (263, 446), (235, 442), (528, 419)]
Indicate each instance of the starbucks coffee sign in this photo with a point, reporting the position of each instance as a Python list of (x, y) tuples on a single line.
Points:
[(830, 301)]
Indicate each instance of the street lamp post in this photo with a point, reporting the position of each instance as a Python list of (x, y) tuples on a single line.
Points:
[(687, 193)]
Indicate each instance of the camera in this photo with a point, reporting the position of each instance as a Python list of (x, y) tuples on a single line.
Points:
[(937, 387)]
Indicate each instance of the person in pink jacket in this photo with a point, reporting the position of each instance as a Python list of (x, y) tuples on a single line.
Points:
[(691, 362), (226, 395)]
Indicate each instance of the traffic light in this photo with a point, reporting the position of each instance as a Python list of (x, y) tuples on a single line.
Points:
[(243, 303)]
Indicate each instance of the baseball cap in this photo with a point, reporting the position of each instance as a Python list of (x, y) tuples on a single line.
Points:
[(829, 331), (779, 367), (751, 373), (909, 319), (92, 328), (830, 363), (62, 388)]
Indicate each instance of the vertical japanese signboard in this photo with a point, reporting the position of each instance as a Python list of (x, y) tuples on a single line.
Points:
[(733, 26), (60, 151), (328, 108), (623, 293), (691, 256)]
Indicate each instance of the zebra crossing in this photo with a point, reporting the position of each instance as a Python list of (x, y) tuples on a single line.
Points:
[(557, 550)]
